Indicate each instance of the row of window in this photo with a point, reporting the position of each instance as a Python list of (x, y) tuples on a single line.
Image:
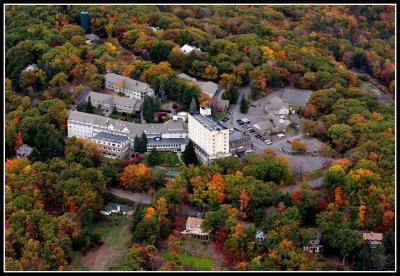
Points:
[(110, 149)]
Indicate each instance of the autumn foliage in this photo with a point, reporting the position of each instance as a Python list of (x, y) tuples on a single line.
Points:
[(135, 177), (339, 196)]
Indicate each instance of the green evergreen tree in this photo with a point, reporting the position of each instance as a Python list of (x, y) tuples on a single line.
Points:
[(189, 155), (157, 104), (89, 107), (136, 144), (143, 143), (231, 94), (154, 158), (244, 105), (148, 109), (35, 155), (161, 91), (193, 107)]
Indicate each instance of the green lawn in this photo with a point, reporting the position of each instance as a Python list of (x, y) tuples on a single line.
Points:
[(114, 231), (198, 263), (169, 159), (219, 116)]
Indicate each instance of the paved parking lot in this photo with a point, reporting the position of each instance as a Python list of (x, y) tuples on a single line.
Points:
[(256, 113)]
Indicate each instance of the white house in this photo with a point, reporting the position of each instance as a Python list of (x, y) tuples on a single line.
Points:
[(210, 137), (187, 49), (260, 236), (314, 246), (131, 88), (374, 239), (113, 208), (193, 229)]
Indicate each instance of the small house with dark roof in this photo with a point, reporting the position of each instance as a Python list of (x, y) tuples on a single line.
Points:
[(314, 246)]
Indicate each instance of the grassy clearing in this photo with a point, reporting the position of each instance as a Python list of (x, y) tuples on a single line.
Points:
[(219, 116), (114, 231), (198, 263), (168, 159), (76, 264)]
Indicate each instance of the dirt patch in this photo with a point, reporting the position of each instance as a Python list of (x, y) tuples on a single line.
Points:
[(102, 258)]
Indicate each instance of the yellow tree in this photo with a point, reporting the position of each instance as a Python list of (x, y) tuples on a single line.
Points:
[(244, 200), (216, 189), (149, 214), (361, 214), (268, 53)]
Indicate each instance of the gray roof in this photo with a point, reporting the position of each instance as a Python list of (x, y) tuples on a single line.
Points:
[(237, 135), (170, 126), (111, 100), (24, 150), (265, 124), (113, 206), (208, 87), (108, 137), (128, 82), (209, 122), (167, 141), (275, 104), (92, 37), (187, 77)]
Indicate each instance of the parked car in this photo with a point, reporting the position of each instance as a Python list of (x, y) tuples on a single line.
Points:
[(268, 142), (280, 135)]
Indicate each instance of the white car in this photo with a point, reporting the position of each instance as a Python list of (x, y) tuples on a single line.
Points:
[(268, 142), (280, 135)]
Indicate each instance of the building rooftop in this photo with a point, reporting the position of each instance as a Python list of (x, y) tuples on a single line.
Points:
[(187, 77), (237, 135), (208, 87), (113, 206), (111, 100), (166, 141), (127, 82), (108, 137), (373, 236), (132, 129), (209, 122), (24, 150), (91, 37)]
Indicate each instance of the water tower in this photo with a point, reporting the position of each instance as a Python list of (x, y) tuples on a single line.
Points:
[(85, 21)]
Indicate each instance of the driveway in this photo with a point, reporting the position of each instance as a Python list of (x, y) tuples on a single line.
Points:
[(135, 197)]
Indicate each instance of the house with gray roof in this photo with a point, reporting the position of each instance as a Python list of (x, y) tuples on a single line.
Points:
[(271, 124), (24, 151), (277, 106), (91, 38), (108, 102), (131, 88), (208, 87), (187, 77)]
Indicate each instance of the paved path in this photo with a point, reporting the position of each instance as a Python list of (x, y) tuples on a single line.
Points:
[(135, 197), (313, 183)]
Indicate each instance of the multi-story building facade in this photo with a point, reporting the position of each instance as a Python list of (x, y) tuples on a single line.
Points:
[(112, 145), (210, 137), (239, 142), (87, 126), (131, 88), (108, 102)]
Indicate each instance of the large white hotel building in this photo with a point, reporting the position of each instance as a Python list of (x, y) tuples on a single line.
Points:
[(210, 137)]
